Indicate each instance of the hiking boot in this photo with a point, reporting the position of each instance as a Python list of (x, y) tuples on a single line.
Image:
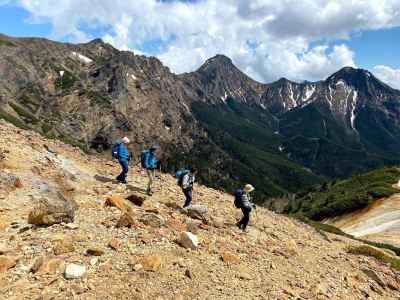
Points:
[(239, 225), (122, 181), (149, 192)]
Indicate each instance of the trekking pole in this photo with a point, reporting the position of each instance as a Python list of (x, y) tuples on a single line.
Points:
[(255, 215)]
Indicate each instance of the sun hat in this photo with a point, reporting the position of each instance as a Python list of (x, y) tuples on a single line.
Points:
[(125, 140), (248, 188)]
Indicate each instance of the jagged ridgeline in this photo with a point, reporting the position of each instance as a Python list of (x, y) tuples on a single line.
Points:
[(281, 137)]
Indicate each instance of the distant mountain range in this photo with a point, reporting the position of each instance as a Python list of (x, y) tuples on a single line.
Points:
[(282, 136)]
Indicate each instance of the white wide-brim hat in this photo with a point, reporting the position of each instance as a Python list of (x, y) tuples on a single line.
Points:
[(248, 188)]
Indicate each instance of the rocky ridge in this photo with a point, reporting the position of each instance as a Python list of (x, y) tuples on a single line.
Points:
[(146, 248)]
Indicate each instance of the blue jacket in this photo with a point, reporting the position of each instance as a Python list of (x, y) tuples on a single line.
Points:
[(151, 160), (123, 153)]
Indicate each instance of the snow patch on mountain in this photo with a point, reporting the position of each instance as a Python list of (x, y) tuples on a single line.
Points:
[(353, 109), (82, 58), (310, 90)]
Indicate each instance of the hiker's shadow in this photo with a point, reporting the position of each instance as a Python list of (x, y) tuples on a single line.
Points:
[(104, 179), (129, 187), (135, 189)]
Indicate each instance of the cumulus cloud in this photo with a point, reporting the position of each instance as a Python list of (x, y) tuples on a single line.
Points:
[(267, 39), (388, 75)]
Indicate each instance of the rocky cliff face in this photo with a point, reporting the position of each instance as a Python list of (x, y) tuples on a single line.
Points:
[(121, 244), (90, 94)]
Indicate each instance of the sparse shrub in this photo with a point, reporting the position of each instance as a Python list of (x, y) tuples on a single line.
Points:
[(13, 120), (376, 253), (66, 82), (26, 115), (344, 196), (7, 43)]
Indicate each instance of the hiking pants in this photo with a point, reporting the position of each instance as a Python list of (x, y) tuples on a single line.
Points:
[(188, 195), (125, 168), (246, 217), (150, 174)]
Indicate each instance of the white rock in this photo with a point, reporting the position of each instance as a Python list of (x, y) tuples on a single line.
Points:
[(94, 261), (189, 240), (73, 271), (72, 226), (137, 267)]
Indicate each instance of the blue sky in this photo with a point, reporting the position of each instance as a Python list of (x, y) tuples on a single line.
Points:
[(300, 40)]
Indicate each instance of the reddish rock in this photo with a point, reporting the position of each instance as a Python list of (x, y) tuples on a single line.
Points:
[(115, 244), (151, 263), (115, 200), (229, 258), (18, 183), (7, 262)]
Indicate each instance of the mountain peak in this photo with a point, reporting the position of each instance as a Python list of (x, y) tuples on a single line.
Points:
[(96, 41), (220, 58), (218, 61)]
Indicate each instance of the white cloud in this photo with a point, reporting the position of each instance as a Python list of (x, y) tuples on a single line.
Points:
[(267, 39), (388, 75)]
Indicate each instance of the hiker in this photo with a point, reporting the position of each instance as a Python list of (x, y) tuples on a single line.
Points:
[(243, 201), (149, 162), (186, 180), (120, 152)]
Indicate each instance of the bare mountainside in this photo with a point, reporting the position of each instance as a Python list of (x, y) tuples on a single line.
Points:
[(110, 247), (379, 222)]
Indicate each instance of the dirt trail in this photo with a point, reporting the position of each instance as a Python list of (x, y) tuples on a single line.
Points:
[(279, 258)]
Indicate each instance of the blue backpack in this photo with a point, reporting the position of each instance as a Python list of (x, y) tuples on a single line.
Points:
[(115, 150), (143, 158), (238, 198), (180, 174)]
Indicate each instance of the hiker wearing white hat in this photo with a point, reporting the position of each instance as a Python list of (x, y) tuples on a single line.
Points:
[(243, 201), (120, 152)]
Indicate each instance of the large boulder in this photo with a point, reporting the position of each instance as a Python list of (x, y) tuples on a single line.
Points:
[(53, 211), (197, 211)]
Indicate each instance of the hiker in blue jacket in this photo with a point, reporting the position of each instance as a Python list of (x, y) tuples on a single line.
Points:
[(123, 159), (149, 162)]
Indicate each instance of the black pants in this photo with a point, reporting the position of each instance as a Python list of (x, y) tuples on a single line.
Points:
[(246, 217), (125, 168), (188, 196)]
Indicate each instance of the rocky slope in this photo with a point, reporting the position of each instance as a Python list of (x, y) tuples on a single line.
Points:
[(97, 257)]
